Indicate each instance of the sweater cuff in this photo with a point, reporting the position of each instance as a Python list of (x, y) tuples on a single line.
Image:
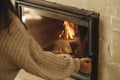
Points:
[(77, 64)]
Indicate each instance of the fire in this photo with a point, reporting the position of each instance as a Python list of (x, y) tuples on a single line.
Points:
[(68, 32)]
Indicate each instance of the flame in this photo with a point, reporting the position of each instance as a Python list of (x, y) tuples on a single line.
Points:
[(68, 32)]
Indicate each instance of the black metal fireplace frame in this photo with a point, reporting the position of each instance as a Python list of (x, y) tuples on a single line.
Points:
[(82, 17)]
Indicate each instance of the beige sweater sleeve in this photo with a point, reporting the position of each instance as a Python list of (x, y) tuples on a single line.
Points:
[(47, 64)]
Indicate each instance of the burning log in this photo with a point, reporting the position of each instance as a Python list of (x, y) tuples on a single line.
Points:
[(62, 46)]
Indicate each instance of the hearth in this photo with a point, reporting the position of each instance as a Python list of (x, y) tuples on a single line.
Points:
[(63, 29)]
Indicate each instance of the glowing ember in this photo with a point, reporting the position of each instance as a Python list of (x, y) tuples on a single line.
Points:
[(68, 32)]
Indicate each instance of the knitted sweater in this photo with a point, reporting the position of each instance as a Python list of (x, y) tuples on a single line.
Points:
[(19, 50)]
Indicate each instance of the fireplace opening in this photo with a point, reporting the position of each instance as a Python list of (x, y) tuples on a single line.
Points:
[(59, 36), (63, 29)]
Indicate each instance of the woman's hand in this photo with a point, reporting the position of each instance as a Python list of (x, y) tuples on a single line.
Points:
[(86, 65)]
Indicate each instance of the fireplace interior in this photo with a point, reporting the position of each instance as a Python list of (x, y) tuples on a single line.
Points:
[(63, 30), (57, 35)]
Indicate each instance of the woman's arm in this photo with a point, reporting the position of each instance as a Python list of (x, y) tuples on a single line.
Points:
[(47, 64), (34, 60)]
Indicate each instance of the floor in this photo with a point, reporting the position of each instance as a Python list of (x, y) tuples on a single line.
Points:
[(26, 76)]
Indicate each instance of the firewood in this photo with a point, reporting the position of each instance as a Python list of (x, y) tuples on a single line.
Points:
[(62, 46)]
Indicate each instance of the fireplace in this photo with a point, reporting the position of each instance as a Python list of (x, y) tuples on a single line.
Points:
[(63, 29)]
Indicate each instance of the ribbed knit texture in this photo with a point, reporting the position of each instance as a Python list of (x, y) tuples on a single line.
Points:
[(18, 49)]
